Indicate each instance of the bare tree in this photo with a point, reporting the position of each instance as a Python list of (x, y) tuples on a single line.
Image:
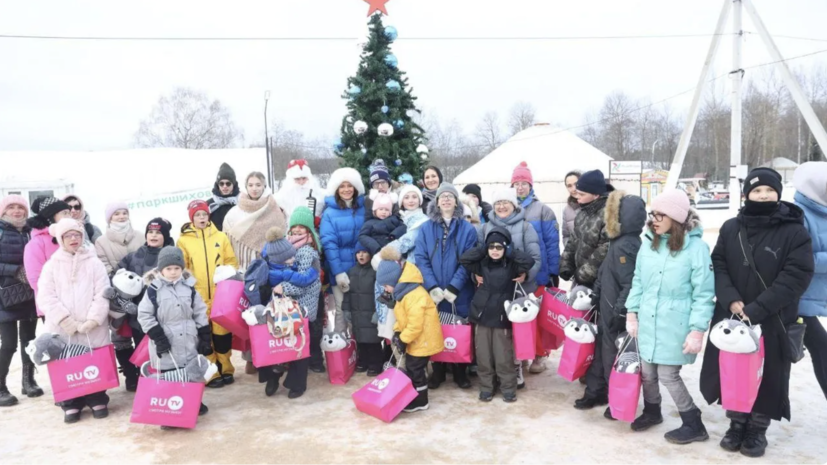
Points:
[(489, 132), (188, 119), (523, 115)]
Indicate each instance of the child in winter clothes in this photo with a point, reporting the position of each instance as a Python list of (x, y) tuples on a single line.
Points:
[(47, 211), (120, 239), (174, 315), (71, 297), (206, 248), (417, 332), (673, 290), (287, 278), (410, 210), (359, 308), (498, 265), (384, 227)]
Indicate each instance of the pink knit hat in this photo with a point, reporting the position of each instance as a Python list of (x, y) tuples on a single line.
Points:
[(13, 200), (112, 207), (522, 173), (63, 226), (383, 201), (673, 203)]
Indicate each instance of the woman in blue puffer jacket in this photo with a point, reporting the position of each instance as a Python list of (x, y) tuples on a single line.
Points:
[(811, 186), (343, 217), (441, 242)]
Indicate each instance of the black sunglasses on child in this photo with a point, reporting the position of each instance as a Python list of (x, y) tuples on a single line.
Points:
[(496, 247)]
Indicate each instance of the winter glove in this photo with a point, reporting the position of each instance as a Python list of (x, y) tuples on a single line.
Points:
[(69, 325), (618, 324), (554, 280), (87, 326), (694, 341), (20, 275), (159, 337), (631, 324), (130, 308), (374, 262), (595, 300), (343, 282), (205, 340), (450, 296), (398, 343), (110, 293), (566, 276), (437, 295)]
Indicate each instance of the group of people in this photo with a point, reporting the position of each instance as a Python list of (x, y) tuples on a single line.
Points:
[(401, 260)]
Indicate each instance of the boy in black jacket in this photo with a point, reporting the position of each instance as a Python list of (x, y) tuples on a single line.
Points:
[(498, 266), (359, 307)]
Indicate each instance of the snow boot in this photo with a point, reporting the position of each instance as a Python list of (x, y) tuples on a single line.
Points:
[(538, 366), (6, 399), (30, 387), (438, 376), (692, 430), (461, 377), (130, 371), (587, 402), (607, 414), (271, 387), (419, 403), (651, 416), (734, 436), (755, 441)]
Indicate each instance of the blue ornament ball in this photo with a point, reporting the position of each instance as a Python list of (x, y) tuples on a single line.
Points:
[(338, 145), (385, 109), (398, 162), (354, 91), (391, 61), (393, 85), (364, 151), (391, 33), (399, 124)]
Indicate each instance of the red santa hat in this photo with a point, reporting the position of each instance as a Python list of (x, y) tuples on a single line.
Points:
[(298, 169)]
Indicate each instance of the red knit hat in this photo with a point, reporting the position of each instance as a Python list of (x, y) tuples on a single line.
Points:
[(522, 173), (197, 205)]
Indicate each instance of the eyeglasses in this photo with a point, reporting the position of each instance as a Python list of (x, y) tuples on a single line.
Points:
[(502, 203), (446, 197), (225, 184), (656, 216), (496, 247), (76, 208), (73, 236)]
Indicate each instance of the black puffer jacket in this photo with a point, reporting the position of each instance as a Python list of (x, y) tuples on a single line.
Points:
[(783, 255), (625, 217), (488, 305), (12, 243), (376, 233), (588, 245), (359, 304)]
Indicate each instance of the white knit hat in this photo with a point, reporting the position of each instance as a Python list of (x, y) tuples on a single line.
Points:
[(505, 193), (345, 174), (407, 189)]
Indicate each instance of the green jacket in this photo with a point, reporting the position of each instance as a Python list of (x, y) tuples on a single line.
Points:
[(672, 295)]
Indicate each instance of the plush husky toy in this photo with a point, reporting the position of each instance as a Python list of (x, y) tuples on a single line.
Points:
[(522, 310), (48, 347), (198, 370), (255, 315), (736, 337), (225, 272), (126, 285), (580, 298), (580, 330), (332, 342), (629, 360)]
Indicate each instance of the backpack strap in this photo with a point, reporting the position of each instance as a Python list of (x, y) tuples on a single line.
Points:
[(152, 294)]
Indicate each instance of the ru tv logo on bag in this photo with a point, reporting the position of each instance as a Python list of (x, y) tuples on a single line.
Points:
[(90, 373), (174, 403), (450, 343), (380, 384)]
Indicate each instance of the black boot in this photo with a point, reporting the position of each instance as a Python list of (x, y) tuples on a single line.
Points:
[(651, 417), (438, 376), (755, 441), (734, 436), (461, 376), (587, 402), (419, 403), (272, 385), (130, 371), (30, 387), (692, 430), (6, 399)]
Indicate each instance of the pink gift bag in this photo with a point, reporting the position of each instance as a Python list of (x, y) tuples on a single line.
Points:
[(125, 330), (458, 345), (341, 364), (575, 360), (83, 375), (550, 341), (741, 376), (624, 395), (525, 340), (268, 350), (228, 303), (555, 312), (241, 344), (386, 395), (141, 354), (167, 403)]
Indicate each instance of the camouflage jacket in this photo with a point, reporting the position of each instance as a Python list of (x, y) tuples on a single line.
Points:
[(587, 246)]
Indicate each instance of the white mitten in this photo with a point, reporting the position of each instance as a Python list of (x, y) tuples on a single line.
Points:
[(437, 295), (343, 282)]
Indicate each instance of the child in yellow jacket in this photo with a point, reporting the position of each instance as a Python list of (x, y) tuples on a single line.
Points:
[(417, 332), (206, 248)]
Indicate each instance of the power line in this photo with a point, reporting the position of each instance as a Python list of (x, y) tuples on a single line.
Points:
[(334, 39)]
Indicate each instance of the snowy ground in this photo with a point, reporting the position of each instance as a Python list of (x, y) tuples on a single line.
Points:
[(323, 426)]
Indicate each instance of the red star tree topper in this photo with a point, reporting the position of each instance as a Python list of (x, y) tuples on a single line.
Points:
[(377, 5)]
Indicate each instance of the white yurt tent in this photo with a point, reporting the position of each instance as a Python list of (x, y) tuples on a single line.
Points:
[(153, 182), (785, 167), (550, 153)]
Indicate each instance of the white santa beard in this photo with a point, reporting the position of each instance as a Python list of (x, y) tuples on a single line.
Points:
[(292, 195)]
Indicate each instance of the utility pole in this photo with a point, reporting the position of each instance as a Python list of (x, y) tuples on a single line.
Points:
[(737, 75), (267, 143)]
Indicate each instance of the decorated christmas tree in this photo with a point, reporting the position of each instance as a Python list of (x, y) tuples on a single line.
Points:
[(379, 123)]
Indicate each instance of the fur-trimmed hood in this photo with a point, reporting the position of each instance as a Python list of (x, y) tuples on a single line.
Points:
[(624, 215), (434, 215)]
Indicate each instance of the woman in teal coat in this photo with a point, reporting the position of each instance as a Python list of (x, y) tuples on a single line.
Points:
[(669, 308)]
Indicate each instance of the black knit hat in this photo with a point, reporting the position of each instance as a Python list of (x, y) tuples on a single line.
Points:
[(593, 182), (226, 172), (498, 236), (47, 207), (763, 177), (163, 226), (473, 189)]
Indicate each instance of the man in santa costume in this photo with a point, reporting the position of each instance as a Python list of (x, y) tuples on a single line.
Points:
[(300, 188)]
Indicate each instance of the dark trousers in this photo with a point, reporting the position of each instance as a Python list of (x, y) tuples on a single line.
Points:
[(495, 358), (130, 371), (316, 331), (296, 374), (458, 370), (91, 400), (371, 356), (605, 352), (815, 340), (9, 334), (415, 368)]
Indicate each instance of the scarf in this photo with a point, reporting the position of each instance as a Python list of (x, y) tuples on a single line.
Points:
[(121, 228), (299, 240), (760, 208), (248, 235), (429, 194), (18, 224), (219, 202)]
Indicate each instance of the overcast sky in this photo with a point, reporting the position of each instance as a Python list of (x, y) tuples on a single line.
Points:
[(91, 95)]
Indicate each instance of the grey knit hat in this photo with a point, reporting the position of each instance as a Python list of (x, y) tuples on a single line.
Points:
[(447, 187), (170, 256), (278, 249)]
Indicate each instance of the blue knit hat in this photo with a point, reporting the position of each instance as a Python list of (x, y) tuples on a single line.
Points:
[(379, 172), (593, 182), (278, 249), (390, 269)]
